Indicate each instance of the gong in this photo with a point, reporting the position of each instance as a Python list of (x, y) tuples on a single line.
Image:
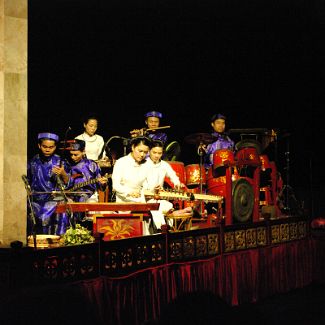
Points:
[(242, 200)]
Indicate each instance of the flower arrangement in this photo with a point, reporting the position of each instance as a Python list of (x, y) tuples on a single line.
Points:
[(76, 236)]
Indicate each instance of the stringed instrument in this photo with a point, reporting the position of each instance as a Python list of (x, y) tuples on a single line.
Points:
[(185, 196), (88, 182)]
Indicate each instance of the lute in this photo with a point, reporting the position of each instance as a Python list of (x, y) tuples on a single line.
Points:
[(88, 182)]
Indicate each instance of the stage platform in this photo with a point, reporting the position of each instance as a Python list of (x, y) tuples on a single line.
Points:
[(129, 281)]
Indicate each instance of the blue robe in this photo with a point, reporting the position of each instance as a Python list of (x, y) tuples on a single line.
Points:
[(42, 179), (84, 171), (158, 136), (222, 142)]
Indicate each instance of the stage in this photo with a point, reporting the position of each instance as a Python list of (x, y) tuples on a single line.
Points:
[(131, 280)]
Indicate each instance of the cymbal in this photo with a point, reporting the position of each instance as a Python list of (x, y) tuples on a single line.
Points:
[(198, 138)]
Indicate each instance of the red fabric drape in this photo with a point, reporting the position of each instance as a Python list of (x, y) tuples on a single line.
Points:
[(239, 277)]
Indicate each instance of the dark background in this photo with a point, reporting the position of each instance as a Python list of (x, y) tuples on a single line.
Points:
[(259, 62)]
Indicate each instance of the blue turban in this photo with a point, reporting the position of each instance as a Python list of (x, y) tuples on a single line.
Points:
[(48, 135), (153, 114), (217, 116), (77, 145)]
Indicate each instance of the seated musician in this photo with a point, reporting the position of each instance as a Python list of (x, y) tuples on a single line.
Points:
[(94, 142), (158, 170), (152, 121), (47, 172), (222, 140), (129, 175), (85, 177)]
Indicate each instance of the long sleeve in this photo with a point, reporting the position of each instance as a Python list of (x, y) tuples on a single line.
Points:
[(128, 177), (171, 174), (158, 172)]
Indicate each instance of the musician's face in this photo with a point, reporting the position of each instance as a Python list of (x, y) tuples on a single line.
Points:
[(47, 147), (139, 152), (91, 127), (152, 122), (156, 154), (219, 125), (76, 155)]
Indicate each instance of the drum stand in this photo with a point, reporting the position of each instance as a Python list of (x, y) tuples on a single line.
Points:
[(200, 152), (287, 189), (125, 143)]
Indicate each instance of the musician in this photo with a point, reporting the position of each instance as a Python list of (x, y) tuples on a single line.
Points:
[(85, 176), (47, 172), (172, 149), (158, 170), (85, 173), (152, 120), (94, 142), (130, 172), (222, 140)]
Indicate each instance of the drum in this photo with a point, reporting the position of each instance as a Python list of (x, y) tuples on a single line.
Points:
[(44, 241), (179, 169), (248, 156), (221, 156), (217, 185), (193, 175)]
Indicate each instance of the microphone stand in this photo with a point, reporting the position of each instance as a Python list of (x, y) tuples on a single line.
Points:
[(32, 213), (61, 186)]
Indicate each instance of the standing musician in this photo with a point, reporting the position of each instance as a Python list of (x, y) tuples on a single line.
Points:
[(152, 120), (47, 172), (222, 140)]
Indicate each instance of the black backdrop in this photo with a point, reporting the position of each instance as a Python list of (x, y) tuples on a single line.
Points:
[(259, 62)]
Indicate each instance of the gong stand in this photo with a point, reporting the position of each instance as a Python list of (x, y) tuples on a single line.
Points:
[(287, 189)]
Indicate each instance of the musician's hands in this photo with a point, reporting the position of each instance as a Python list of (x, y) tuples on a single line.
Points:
[(158, 188), (102, 180), (137, 132), (57, 170), (60, 171), (181, 187), (134, 194), (202, 148)]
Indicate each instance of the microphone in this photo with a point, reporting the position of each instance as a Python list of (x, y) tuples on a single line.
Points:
[(25, 180)]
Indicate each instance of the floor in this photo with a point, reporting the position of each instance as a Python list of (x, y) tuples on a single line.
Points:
[(304, 306)]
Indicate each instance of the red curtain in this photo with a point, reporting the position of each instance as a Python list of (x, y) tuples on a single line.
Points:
[(240, 277)]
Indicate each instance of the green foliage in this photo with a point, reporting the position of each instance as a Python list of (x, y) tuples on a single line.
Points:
[(79, 235)]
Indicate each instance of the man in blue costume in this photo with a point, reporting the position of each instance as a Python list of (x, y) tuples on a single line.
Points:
[(222, 140), (172, 150), (152, 120), (47, 172), (85, 177)]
